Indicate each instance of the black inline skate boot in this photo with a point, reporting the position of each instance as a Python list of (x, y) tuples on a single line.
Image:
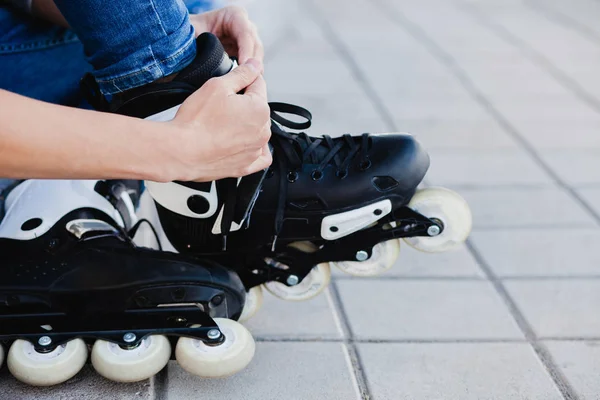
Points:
[(344, 201), (72, 277)]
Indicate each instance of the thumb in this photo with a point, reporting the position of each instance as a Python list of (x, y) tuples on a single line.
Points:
[(243, 76)]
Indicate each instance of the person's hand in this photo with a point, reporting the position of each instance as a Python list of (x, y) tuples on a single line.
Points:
[(234, 29), (221, 133)]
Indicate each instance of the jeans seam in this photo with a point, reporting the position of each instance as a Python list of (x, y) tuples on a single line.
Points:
[(36, 45), (158, 17)]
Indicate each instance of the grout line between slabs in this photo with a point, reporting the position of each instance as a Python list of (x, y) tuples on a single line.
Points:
[(530, 52), (353, 356), (449, 62), (160, 384), (567, 21), (350, 62), (540, 350)]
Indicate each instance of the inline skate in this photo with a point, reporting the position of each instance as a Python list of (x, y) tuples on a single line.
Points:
[(73, 278), (344, 201)]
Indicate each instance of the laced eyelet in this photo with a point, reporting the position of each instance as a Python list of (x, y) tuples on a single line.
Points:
[(316, 175), (365, 164), (292, 176), (341, 174)]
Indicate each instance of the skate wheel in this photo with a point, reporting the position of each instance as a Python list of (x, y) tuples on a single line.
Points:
[(313, 284), (219, 361), (449, 208), (131, 365), (46, 369), (383, 257), (254, 300)]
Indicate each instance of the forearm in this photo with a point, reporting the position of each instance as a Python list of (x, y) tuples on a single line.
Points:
[(41, 140), (46, 9)]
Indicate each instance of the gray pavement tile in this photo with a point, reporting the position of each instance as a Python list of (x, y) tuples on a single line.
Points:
[(291, 371), (559, 308), (444, 107), (458, 263), (574, 134), (539, 252), (525, 207), (580, 363), (560, 106), (314, 318), (591, 197), (485, 168), (574, 167), (455, 371), (86, 385), (393, 310), (468, 134), (324, 78)]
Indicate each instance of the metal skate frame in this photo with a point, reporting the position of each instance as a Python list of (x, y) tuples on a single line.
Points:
[(171, 321), (294, 262)]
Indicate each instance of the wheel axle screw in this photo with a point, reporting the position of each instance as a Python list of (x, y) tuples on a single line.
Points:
[(361, 255), (433, 230), (213, 334), (292, 280), (129, 337), (45, 341)]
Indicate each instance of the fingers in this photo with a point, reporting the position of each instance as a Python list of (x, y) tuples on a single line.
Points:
[(242, 77), (262, 162), (245, 34), (257, 89)]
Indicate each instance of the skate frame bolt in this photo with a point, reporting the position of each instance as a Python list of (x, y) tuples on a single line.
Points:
[(361, 255), (433, 230), (213, 334), (44, 341), (129, 337), (292, 280)]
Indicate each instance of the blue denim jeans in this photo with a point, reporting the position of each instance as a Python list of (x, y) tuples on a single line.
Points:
[(124, 43)]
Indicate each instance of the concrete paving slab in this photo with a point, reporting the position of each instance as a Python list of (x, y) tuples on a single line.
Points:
[(313, 319), (540, 252), (455, 371), (87, 384), (559, 308), (525, 208), (591, 197), (485, 168), (579, 362), (291, 371), (425, 310)]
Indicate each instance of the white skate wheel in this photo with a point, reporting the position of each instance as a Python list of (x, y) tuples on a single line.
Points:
[(254, 300), (449, 208), (46, 369), (313, 284), (383, 257), (131, 365), (226, 359)]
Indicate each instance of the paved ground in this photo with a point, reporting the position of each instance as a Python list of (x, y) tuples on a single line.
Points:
[(505, 95)]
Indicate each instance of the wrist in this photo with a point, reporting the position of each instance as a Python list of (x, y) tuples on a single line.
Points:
[(163, 153)]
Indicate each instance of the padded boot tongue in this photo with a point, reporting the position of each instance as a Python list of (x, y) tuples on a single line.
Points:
[(211, 61)]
